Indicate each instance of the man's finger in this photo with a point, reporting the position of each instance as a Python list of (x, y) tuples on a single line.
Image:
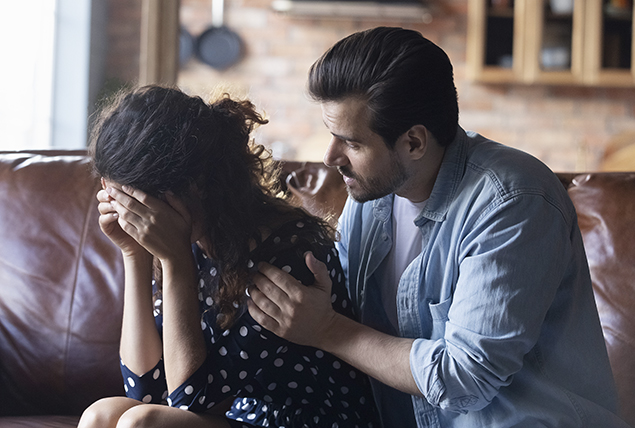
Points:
[(278, 278), (261, 310), (319, 270)]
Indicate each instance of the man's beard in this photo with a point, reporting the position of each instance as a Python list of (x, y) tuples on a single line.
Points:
[(377, 186)]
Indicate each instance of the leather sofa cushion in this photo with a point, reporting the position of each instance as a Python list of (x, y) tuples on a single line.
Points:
[(60, 286)]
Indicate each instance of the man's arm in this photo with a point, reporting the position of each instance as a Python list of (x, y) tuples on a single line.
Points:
[(304, 315)]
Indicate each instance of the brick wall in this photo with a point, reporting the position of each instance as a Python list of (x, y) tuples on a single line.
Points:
[(568, 128)]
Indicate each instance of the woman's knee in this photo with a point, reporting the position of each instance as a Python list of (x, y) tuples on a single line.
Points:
[(105, 413), (141, 417)]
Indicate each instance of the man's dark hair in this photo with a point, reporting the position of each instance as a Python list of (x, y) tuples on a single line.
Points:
[(405, 79)]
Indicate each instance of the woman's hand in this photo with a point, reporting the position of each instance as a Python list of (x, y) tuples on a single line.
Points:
[(108, 222), (164, 229)]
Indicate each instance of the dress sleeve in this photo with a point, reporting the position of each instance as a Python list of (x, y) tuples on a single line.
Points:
[(149, 387)]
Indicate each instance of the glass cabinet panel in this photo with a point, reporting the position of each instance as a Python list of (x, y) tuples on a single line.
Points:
[(617, 34), (499, 27), (557, 35)]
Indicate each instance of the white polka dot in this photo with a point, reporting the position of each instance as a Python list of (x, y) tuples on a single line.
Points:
[(264, 354), (250, 264), (189, 389), (242, 374), (222, 351), (244, 355), (298, 367), (243, 331), (125, 387), (249, 389), (251, 416), (147, 398), (272, 386), (288, 402), (345, 404), (316, 419), (201, 283), (273, 259), (226, 389), (256, 327), (286, 268), (212, 271), (276, 240), (314, 371), (201, 400), (344, 390), (209, 301), (278, 362), (292, 385), (156, 374), (319, 353), (333, 273), (332, 381), (131, 382), (308, 389), (203, 325), (352, 374), (226, 333), (336, 365), (333, 298), (344, 303), (223, 373), (184, 407), (165, 394), (300, 224), (210, 405), (362, 400), (210, 378), (328, 403), (267, 399), (328, 258)]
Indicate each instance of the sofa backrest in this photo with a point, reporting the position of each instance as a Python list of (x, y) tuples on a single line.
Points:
[(61, 279), (60, 287)]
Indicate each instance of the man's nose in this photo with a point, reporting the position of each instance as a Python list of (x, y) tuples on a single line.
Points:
[(334, 156)]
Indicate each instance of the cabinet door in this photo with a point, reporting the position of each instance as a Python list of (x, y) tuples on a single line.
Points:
[(609, 43), (495, 40), (555, 42)]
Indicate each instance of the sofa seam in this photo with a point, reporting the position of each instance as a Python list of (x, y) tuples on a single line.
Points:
[(80, 249)]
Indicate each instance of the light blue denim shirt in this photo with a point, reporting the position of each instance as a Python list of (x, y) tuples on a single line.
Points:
[(499, 300)]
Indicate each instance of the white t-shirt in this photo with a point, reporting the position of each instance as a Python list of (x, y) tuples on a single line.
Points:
[(407, 244)]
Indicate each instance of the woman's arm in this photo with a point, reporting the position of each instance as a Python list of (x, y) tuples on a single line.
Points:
[(164, 229), (140, 345)]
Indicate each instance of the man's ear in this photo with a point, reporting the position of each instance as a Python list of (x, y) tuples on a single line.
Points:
[(415, 142)]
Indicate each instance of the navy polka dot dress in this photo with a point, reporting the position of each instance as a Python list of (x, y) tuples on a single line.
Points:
[(276, 383)]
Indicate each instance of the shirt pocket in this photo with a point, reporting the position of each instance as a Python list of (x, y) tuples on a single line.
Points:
[(439, 313)]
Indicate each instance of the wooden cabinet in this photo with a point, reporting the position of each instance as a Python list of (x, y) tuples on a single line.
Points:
[(562, 42)]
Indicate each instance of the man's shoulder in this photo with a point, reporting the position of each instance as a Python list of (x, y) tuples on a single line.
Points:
[(511, 171)]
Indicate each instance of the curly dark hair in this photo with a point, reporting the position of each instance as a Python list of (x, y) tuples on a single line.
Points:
[(158, 139)]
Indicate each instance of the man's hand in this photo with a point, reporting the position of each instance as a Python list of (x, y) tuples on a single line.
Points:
[(289, 309)]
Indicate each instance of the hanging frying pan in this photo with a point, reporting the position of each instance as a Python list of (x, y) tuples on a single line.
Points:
[(186, 46), (219, 46)]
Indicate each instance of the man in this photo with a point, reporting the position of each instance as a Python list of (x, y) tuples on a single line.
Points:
[(463, 257)]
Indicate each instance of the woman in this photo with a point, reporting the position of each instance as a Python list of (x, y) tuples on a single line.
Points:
[(185, 190)]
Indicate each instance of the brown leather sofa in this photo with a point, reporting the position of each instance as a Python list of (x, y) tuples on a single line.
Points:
[(61, 279)]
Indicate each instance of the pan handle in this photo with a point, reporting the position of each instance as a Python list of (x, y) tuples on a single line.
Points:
[(218, 11)]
